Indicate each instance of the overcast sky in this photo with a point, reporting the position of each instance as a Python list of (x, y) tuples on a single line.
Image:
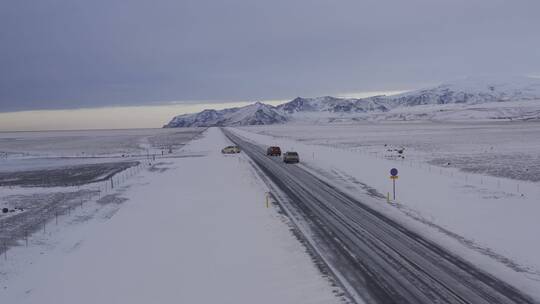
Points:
[(65, 54)]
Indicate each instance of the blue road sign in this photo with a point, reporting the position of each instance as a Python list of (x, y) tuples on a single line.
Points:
[(393, 172)]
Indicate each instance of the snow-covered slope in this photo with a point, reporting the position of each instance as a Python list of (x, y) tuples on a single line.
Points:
[(473, 90), (254, 114), (334, 105), (467, 98)]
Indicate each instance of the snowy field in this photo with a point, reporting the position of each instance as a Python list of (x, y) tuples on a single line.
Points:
[(503, 149), (43, 174), (91, 143), (171, 228), (178, 229), (462, 185)]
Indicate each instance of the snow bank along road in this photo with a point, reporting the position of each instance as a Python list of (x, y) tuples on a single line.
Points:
[(377, 258)]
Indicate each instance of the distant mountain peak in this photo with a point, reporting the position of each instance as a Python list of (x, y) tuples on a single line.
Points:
[(256, 113)]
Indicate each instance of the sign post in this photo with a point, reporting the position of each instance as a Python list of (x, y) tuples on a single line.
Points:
[(393, 177)]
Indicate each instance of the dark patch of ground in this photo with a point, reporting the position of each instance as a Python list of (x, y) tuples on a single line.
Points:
[(37, 210), (520, 166), (66, 176)]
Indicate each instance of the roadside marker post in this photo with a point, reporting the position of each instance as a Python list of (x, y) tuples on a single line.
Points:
[(267, 198), (393, 177)]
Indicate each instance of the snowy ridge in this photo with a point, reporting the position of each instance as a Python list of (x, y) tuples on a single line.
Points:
[(464, 99), (473, 91), (334, 105), (254, 114)]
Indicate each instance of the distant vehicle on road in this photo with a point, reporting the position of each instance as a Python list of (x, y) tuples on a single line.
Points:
[(291, 157), (273, 151), (230, 150)]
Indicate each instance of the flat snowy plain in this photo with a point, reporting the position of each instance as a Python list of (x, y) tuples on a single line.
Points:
[(497, 148), (190, 227), (45, 174), (473, 187)]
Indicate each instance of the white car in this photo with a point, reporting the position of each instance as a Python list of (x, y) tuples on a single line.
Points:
[(230, 150), (291, 157)]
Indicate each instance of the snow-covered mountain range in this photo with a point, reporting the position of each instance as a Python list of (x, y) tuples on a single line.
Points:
[(253, 114), (468, 98), (475, 90)]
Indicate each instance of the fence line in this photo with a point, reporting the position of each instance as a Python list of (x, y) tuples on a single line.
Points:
[(24, 232)]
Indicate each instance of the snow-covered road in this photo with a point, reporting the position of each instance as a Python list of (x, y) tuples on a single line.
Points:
[(373, 252), (196, 231), (489, 221)]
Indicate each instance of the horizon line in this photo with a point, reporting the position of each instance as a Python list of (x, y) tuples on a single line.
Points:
[(124, 117)]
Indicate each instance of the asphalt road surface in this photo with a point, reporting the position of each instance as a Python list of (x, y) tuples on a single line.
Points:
[(377, 258)]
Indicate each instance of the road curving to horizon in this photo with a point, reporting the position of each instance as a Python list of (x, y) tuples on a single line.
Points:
[(373, 256)]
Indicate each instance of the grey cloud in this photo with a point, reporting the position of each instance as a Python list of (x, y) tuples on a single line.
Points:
[(75, 53)]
